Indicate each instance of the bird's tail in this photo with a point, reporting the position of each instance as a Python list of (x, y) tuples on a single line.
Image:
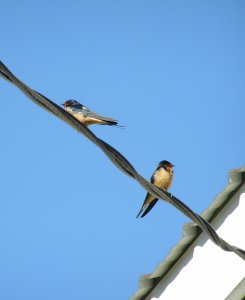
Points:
[(146, 208), (141, 210), (149, 207), (113, 123)]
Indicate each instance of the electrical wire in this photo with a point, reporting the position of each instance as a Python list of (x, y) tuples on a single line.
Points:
[(118, 159)]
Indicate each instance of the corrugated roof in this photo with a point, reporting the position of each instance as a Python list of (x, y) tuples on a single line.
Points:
[(190, 233)]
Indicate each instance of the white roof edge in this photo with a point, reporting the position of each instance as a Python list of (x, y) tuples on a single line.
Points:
[(238, 293), (190, 233)]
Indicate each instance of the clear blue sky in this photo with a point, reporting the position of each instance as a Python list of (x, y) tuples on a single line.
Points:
[(173, 73)]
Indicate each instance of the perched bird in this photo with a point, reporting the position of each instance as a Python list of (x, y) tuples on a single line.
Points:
[(85, 115), (162, 178)]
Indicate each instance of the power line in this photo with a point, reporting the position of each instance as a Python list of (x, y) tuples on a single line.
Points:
[(118, 159)]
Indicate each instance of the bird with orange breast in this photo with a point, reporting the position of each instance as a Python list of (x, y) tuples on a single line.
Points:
[(162, 178)]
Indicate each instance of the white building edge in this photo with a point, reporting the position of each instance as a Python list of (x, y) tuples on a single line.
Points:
[(197, 269)]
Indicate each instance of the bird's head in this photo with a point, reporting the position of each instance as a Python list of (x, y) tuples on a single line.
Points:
[(166, 164), (70, 103)]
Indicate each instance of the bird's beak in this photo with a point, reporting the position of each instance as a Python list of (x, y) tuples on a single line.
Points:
[(63, 104)]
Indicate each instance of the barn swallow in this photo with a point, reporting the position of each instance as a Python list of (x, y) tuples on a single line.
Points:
[(162, 178), (85, 115)]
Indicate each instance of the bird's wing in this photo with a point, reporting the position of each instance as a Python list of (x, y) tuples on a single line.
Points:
[(76, 108), (79, 106), (90, 114)]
